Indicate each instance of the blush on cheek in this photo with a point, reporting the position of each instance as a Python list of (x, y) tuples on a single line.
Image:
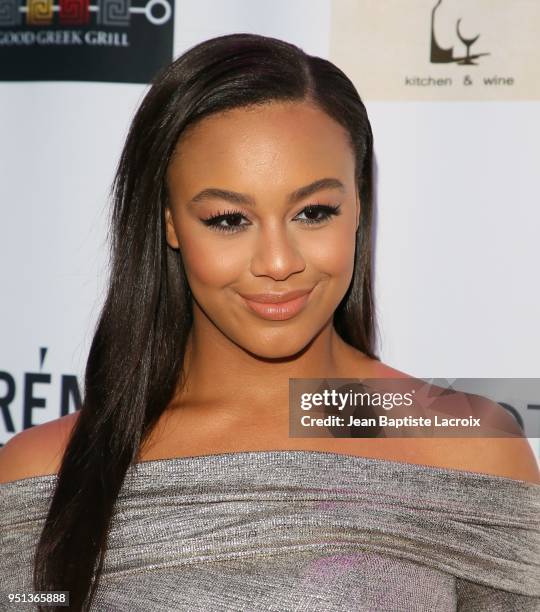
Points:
[(211, 263), (335, 258)]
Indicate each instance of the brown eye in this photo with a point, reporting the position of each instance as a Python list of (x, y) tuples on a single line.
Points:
[(231, 221), (319, 213), (233, 218)]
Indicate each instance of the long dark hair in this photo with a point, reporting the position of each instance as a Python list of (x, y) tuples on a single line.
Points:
[(135, 362)]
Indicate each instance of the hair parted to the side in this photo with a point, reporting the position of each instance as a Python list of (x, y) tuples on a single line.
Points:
[(136, 357)]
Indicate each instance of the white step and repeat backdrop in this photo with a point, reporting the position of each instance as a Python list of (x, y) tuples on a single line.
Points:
[(453, 92)]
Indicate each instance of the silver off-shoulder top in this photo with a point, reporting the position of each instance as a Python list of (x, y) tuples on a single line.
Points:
[(299, 530)]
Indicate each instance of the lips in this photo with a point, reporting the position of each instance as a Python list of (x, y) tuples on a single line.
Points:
[(277, 306), (275, 298)]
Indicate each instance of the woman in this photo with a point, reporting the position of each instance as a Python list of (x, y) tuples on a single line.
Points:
[(245, 181)]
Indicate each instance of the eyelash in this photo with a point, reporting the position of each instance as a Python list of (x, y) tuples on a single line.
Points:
[(213, 221)]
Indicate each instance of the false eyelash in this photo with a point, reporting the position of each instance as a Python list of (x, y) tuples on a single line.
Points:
[(329, 210)]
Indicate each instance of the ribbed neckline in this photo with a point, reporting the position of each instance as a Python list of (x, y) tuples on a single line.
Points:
[(174, 465)]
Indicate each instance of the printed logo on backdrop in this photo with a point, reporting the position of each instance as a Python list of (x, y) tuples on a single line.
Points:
[(124, 41), (35, 396), (447, 56), (438, 49)]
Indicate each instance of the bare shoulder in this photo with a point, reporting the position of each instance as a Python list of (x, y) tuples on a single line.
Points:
[(500, 447), (509, 457), (36, 451)]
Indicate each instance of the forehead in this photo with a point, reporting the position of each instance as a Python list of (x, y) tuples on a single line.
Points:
[(282, 142)]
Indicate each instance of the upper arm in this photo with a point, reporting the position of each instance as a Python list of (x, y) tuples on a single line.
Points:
[(36, 451)]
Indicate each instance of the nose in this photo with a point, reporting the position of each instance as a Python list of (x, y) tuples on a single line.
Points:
[(276, 254)]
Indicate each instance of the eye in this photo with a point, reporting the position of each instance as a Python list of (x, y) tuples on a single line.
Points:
[(229, 216), (230, 220), (323, 211)]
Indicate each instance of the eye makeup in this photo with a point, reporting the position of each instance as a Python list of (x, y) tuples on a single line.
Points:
[(324, 211)]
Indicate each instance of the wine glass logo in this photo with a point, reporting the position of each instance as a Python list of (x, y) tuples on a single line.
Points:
[(440, 55), (468, 42)]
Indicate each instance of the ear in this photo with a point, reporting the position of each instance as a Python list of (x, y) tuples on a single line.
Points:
[(170, 232)]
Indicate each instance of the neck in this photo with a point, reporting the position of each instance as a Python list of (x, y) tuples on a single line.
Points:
[(220, 372)]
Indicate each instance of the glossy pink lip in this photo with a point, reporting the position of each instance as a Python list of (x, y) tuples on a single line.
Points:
[(277, 306)]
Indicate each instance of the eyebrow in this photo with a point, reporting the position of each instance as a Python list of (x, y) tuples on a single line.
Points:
[(294, 197)]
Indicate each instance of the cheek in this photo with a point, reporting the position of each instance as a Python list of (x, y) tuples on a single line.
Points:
[(211, 260), (333, 253)]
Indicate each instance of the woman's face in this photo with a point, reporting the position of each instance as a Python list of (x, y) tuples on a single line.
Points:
[(264, 238)]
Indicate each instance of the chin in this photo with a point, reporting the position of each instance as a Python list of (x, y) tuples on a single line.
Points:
[(280, 345)]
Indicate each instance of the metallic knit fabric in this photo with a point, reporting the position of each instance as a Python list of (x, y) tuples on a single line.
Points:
[(301, 531)]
